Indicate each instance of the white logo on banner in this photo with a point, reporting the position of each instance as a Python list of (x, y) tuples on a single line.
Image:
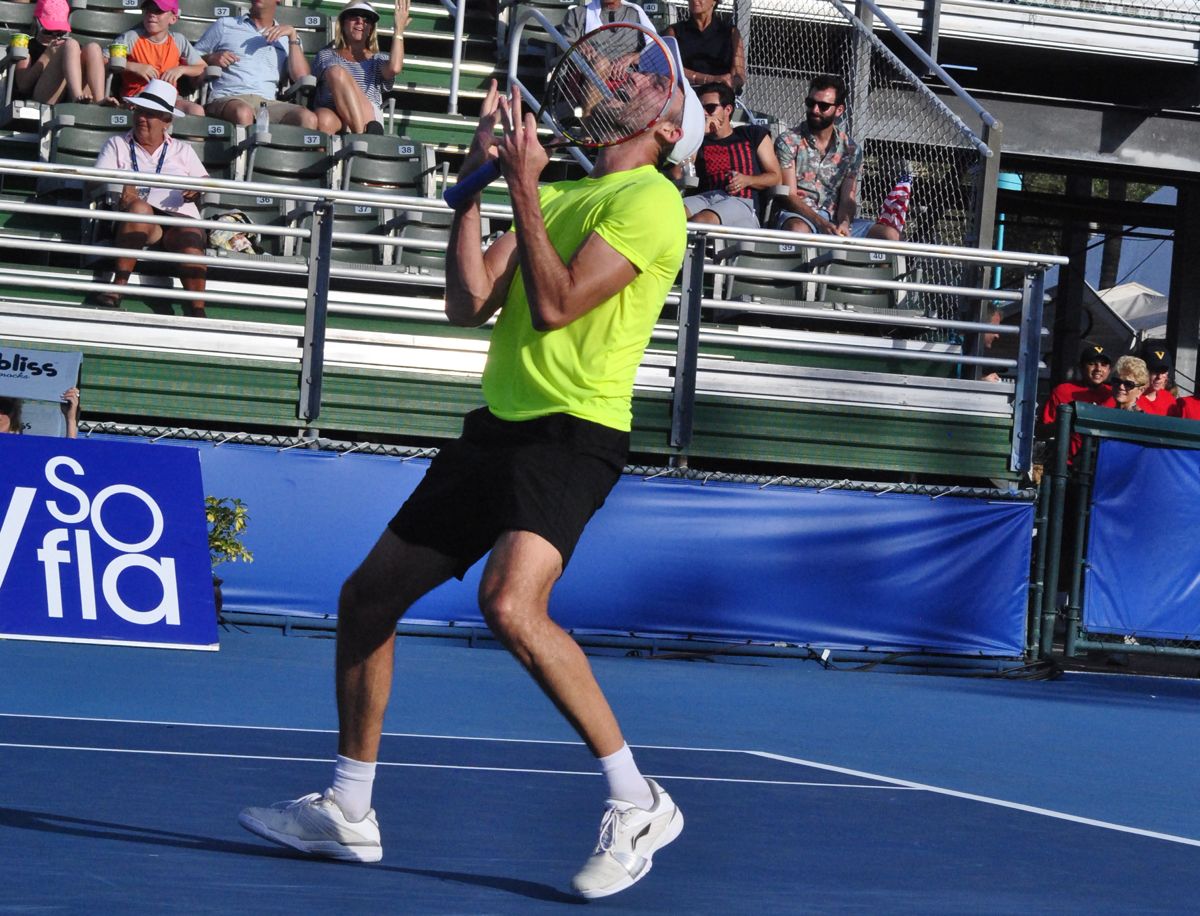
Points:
[(65, 546)]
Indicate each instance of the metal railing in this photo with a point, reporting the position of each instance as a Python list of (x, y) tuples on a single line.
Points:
[(689, 331)]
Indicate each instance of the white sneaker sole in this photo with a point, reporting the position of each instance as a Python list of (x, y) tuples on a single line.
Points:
[(326, 849), (674, 828)]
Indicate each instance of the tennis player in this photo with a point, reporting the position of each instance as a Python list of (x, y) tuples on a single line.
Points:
[(579, 285)]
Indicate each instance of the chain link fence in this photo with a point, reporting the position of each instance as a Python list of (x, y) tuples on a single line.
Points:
[(899, 123)]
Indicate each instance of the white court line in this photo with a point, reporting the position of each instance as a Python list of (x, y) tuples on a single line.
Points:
[(439, 766), (985, 799), (862, 774)]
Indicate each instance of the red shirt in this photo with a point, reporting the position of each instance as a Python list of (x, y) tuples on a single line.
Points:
[(1069, 392), (1160, 406), (1186, 408)]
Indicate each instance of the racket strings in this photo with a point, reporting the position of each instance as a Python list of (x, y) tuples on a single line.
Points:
[(612, 85)]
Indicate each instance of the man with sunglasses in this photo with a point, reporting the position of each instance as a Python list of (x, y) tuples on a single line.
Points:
[(734, 164), (822, 168)]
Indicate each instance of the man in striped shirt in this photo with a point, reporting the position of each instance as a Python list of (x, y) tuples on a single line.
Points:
[(733, 164)]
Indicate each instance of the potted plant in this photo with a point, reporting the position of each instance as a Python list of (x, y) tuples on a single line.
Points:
[(227, 518)]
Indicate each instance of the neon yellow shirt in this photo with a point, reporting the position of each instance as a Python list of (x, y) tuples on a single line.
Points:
[(587, 368)]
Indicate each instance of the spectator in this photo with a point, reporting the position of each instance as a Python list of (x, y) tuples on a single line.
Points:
[(352, 74), (710, 46), (255, 52), (153, 52), (1186, 408), (1129, 382), (10, 413), (586, 18), (1157, 399), (1095, 367), (53, 71), (821, 168), (733, 164), (147, 148), (996, 317), (10, 416)]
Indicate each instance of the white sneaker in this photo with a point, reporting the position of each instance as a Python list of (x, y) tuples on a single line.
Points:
[(316, 825), (629, 837)]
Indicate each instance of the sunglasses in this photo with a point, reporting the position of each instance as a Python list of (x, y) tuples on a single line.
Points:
[(1125, 384), (810, 102), (54, 36), (712, 107), (359, 17)]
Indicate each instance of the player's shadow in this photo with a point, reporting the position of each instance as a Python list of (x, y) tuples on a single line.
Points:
[(106, 830)]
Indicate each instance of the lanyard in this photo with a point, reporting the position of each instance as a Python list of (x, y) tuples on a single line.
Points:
[(162, 157)]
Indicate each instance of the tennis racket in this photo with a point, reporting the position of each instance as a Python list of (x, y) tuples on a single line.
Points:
[(614, 83)]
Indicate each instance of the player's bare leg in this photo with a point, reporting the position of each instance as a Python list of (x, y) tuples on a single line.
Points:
[(514, 597)]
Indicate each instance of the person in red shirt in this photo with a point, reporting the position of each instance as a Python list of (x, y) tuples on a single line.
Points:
[(1186, 408), (1157, 398), (1094, 368)]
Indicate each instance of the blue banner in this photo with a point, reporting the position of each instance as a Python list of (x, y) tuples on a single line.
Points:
[(831, 568), (103, 541), (1142, 574)]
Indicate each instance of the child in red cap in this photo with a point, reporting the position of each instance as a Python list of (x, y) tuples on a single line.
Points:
[(53, 72)]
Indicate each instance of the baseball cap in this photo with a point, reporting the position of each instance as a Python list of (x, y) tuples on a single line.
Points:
[(166, 6), (1156, 355), (1094, 353), (53, 15), (693, 113), (359, 6)]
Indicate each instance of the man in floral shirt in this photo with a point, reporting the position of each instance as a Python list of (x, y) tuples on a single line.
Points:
[(821, 167)]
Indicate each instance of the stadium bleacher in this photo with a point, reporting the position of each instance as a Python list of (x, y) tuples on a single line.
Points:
[(822, 395)]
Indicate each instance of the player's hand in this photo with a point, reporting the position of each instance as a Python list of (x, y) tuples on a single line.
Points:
[(522, 156), (483, 142), (223, 59)]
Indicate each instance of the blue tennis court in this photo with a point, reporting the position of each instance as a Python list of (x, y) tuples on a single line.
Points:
[(804, 790)]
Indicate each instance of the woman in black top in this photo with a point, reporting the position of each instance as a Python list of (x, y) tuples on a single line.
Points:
[(710, 46)]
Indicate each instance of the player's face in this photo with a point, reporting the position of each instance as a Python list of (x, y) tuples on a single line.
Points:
[(635, 98), (1097, 371), (821, 108)]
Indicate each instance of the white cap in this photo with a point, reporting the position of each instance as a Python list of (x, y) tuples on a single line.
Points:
[(692, 117)]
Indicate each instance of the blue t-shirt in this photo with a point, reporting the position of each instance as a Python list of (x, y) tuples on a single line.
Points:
[(261, 64)]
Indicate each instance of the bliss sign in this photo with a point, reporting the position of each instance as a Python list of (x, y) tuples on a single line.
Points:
[(103, 542)]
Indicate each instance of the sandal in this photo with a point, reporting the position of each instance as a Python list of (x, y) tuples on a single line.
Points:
[(107, 300)]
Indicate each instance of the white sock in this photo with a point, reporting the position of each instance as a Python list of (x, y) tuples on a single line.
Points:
[(351, 789), (625, 780)]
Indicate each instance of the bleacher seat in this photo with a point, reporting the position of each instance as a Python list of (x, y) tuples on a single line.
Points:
[(72, 134), (287, 156), (113, 6), (382, 163), (312, 26), (767, 256), (850, 265), (425, 227), (362, 219), (215, 142), (103, 27), (207, 10), (16, 17)]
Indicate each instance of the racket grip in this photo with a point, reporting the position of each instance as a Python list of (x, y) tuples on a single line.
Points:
[(470, 185)]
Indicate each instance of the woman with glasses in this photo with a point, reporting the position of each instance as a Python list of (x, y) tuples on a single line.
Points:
[(53, 71), (1128, 383), (352, 73)]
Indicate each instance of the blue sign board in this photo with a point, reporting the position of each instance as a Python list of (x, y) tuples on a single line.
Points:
[(104, 542)]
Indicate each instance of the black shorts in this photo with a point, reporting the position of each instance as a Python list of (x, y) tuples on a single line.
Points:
[(548, 476)]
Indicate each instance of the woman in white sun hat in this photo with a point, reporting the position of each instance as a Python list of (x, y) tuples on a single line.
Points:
[(149, 149), (351, 72)]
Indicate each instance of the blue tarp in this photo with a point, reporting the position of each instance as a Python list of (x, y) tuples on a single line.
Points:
[(668, 557), (1143, 575)]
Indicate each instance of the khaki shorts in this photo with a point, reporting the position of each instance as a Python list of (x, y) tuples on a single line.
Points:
[(275, 110)]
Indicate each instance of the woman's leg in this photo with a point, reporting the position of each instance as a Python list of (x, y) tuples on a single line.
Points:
[(328, 121), (351, 105), (134, 235), (183, 240)]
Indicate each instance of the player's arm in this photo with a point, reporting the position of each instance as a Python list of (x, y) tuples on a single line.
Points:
[(558, 293), (477, 281)]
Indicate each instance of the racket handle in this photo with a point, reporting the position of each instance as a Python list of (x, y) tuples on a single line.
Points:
[(470, 185)]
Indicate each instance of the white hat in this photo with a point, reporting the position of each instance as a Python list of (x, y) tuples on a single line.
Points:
[(359, 6), (160, 96), (692, 117)]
